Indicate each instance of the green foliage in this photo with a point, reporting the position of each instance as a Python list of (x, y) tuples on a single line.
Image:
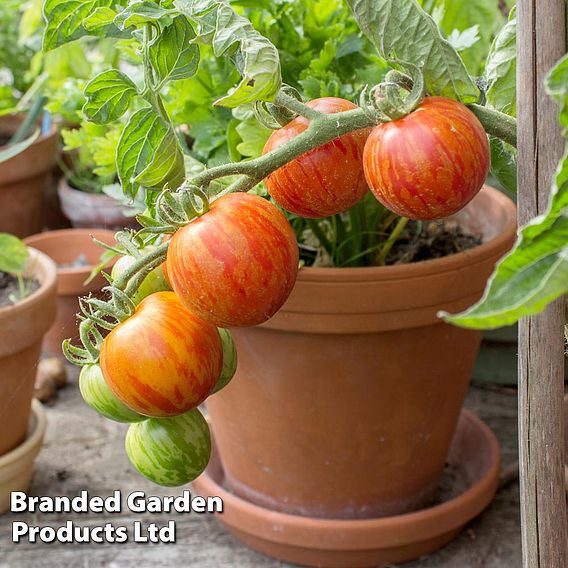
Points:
[(13, 254), (108, 96), (535, 272), (402, 30), (148, 153), (466, 19)]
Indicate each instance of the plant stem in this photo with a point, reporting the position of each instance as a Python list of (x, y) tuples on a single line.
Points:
[(322, 129), (393, 237), (496, 123)]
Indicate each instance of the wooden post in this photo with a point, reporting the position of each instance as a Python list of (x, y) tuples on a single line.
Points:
[(541, 41)]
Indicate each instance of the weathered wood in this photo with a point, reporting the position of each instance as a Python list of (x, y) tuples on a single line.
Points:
[(541, 42)]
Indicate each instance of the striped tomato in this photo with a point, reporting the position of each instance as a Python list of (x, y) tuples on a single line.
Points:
[(429, 164), (326, 180), (170, 451), (97, 394), (163, 360), (236, 264), (229, 360)]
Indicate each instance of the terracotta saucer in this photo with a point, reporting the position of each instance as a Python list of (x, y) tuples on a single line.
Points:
[(366, 542)]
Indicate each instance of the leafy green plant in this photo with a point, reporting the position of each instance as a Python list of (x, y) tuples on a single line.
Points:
[(14, 256)]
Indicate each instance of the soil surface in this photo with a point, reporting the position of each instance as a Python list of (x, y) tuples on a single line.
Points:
[(79, 262), (429, 240), (10, 289), (82, 450)]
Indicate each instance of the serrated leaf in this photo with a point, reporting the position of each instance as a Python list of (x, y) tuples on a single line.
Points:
[(142, 12), (101, 23), (401, 29), (534, 273), (64, 20), (173, 55), (140, 149), (108, 96), (255, 56), (13, 254), (501, 68)]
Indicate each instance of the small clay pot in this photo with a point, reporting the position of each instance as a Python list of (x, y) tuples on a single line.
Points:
[(24, 181), (64, 247), (17, 465), (88, 210), (22, 327), (345, 402)]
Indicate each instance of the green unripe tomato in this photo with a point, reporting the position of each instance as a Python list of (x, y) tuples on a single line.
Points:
[(170, 451), (97, 394), (154, 282), (229, 360)]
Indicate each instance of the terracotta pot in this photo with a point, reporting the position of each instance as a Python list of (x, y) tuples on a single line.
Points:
[(345, 403), (24, 180), (64, 247), (16, 466), (474, 456), (22, 327), (87, 210)]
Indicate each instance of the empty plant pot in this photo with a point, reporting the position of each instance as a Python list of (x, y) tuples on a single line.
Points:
[(16, 466), (87, 210), (474, 458), (345, 402), (24, 180), (22, 327), (75, 255)]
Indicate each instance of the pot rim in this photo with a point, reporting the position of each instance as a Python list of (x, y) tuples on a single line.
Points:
[(76, 270), (53, 129), (49, 282), (480, 253), (38, 419)]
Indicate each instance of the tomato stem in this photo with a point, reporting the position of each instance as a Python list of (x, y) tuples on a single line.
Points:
[(496, 123), (393, 237)]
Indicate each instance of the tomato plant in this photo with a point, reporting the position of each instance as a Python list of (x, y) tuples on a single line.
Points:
[(97, 394), (156, 281), (163, 360), (236, 264), (326, 180), (430, 163), (170, 451)]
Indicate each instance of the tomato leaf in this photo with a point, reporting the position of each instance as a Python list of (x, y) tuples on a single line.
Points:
[(504, 163), (141, 12), (101, 23), (108, 96), (456, 17), (501, 68), (173, 55), (13, 254), (229, 33), (401, 29), (65, 18), (148, 154)]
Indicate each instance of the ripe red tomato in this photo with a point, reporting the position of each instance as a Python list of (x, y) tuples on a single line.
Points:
[(429, 164), (237, 264), (163, 360), (326, 180)]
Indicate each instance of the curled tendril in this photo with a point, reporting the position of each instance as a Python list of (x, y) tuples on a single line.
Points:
[(398, 95), (177, 209)]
